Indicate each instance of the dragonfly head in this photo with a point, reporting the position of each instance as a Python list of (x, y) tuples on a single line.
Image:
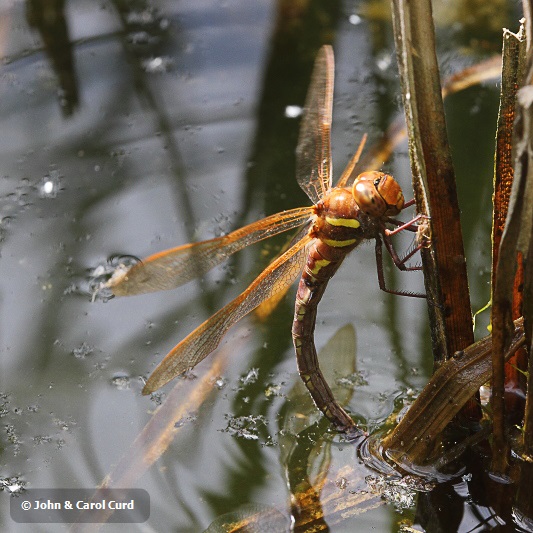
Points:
[(378, 194)]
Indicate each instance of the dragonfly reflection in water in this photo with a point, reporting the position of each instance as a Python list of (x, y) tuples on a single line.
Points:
[(340, 219)]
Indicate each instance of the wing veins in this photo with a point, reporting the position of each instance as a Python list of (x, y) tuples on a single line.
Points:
[(206, 337), (174, 267), (313, 153)]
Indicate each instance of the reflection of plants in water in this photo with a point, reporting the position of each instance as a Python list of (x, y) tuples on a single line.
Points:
[(146, 39), (413, 443)]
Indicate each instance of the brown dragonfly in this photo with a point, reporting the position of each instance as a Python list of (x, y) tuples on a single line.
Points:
[(340, 219)]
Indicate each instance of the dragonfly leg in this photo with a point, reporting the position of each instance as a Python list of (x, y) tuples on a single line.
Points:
[(405, 226), (422, 238), (396, 222), (400, 263)]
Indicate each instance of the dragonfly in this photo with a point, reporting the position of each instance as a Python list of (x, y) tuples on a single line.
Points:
[(340, 218)]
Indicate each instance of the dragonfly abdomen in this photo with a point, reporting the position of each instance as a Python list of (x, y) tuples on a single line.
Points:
[(313, 282), (338, 229)]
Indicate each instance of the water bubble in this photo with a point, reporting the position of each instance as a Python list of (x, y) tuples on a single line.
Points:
[(157, 65), (293, 111), (383, 61), (50, 185), (220, 383)]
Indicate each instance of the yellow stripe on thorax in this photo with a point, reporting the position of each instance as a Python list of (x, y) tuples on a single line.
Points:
[(339, 244), (346, 222)]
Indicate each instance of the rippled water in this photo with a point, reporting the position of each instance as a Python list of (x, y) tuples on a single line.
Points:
[(178, 122)]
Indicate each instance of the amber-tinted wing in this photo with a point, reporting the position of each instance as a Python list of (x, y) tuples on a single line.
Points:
[(313, 153), (263, 311), (204, 339), (171, 268)]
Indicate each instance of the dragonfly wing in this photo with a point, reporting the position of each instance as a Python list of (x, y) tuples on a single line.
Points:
[(313, 153), (204, 339), (171, 268), (263, 311)]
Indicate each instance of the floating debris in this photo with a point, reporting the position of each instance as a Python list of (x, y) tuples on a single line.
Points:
[(400, 492), (99, 280), (121, 381), (356, 379), (245, 427), (83, 350), (251, 377), (12, 485), (273, 389)]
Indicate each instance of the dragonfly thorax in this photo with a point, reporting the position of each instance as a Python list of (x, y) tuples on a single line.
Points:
[(340, 223), (339, 209), (378, 194)]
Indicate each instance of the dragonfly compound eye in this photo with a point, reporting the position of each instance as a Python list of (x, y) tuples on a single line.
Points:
[(391, 192), (366, 192)]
